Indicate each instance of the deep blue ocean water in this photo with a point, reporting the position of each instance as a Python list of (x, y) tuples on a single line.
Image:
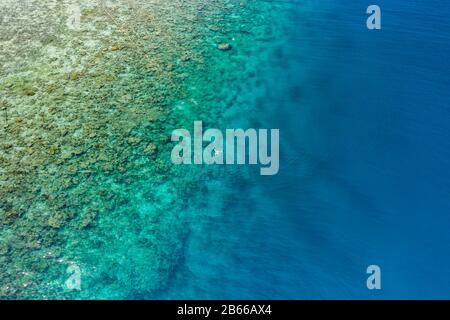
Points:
[(364, 173)]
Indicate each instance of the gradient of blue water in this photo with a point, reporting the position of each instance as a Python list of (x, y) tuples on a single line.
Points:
[(364, 178)]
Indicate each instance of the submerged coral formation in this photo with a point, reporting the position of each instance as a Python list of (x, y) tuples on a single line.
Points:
[(86, 116)]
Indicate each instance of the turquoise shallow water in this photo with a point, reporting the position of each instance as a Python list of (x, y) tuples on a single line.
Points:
[(363, 179)]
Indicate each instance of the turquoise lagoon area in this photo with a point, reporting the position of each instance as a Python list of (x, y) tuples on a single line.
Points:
[(87, 108)]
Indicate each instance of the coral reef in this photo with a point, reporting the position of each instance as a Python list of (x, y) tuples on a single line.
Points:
[(85, 171)]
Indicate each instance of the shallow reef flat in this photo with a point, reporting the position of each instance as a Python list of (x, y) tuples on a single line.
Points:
[(86, 115)]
